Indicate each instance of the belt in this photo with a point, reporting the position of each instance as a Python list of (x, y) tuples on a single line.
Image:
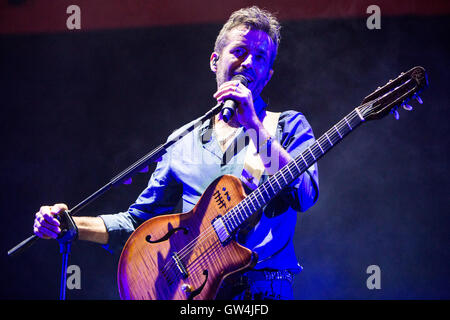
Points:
[(267, 275)]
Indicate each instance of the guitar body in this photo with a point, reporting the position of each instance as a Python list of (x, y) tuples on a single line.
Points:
[(179, 256)]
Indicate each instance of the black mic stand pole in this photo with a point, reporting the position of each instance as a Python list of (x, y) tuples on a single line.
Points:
[(67, 236)]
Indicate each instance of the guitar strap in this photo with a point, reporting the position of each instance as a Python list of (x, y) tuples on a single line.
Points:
[(253, 165)]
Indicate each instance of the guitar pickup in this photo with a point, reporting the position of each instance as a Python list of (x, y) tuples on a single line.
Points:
[(221, 230)]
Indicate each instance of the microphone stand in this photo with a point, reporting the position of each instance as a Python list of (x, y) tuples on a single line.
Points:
[(68, 235)]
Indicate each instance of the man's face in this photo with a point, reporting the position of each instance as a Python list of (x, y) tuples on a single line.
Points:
[(247, 52)]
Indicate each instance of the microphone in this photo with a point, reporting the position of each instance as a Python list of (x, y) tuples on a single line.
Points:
[(229, 106)]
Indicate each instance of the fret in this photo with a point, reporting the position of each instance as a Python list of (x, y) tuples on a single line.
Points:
[(359, 114), (356, 120), (282, 175), (306, 164), (312, 153), (320, 147), (239, 213), (271, 185), (235, 220), (231, 220), (348, 123), (276, 180), (226, 221), (259, 204), (264, 187), (326, 135), (255, 202), (338, 131), (246, 203), (251, 202), (295, 163), (238, 218), (290, 171)]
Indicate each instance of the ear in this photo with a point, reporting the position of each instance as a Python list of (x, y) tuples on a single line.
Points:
[(269, 76), (213, 61)]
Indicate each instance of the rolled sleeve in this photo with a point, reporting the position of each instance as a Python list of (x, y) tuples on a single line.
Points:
[(119, 227), (295, 136)]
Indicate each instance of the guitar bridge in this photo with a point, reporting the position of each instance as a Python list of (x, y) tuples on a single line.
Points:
[(180, 266), (221, 230)]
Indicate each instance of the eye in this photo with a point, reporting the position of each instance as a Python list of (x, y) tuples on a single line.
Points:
[(238, 52), (260, 58)]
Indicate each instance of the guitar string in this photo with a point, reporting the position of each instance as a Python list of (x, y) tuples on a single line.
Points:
[(200, 259), (229, 217), (340, 124), (197, 264), (187, 249)]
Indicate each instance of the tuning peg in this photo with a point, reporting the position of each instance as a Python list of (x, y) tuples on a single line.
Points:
[(407, 107), (143, 170), (128, 181), (418, 99), (396, 114)]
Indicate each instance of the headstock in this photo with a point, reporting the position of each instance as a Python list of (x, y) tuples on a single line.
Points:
[(394, 94)]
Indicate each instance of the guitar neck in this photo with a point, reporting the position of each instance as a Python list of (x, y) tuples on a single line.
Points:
[(290, 172)]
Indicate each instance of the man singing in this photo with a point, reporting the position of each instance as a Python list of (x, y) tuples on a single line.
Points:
[(253, 145)]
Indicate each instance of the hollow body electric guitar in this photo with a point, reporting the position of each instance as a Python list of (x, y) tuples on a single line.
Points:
[(187, 255)]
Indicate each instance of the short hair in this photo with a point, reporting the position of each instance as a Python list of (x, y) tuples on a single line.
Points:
[(256, 19)]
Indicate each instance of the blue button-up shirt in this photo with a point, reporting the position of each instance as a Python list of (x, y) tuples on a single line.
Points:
[(191, 164)]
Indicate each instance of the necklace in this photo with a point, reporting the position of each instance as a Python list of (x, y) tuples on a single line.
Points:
[(224, 140)]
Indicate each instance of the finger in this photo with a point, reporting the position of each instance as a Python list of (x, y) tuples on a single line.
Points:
[(51, 227), (47, 216), (236, 96), (45, 210), (44, 231), (230, 83), (42, 223), (59, 207), (39, 234), (227, 86), (238, 91)]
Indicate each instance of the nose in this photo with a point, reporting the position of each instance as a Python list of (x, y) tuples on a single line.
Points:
[(248, 61)]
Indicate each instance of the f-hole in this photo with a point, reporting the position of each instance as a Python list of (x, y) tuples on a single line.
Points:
[(197, 291), (167, 235)]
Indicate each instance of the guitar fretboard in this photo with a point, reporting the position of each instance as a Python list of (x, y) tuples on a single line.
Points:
[(290, 172)]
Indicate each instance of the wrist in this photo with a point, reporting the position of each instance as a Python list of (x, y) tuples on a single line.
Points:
[(255, 124)]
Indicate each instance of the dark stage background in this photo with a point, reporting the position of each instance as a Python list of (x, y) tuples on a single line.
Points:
[(78, 107)]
